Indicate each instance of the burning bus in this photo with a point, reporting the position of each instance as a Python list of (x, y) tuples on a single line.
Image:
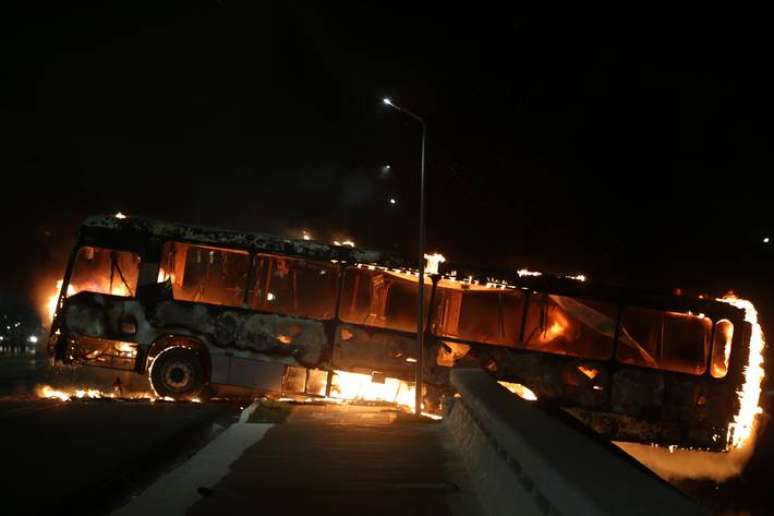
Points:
[(200, 310)]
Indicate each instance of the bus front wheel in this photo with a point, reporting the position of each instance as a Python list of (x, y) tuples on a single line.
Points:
[(177, 373)]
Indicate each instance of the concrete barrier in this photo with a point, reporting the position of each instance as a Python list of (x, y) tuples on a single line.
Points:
[(525, 461)]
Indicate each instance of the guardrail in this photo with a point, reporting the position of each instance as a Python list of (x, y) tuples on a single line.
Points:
[(524, 461)]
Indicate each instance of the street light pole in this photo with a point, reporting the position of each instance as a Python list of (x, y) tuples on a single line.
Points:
[(421, 260)]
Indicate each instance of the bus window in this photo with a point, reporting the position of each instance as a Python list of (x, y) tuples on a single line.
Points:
[(569, 326), (294, 286), (721, 347), (381, 298), (480, 314), (105, 271), (206, 274), (664, 340)]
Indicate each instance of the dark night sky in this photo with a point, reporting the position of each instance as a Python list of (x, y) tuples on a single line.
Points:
[(635, 148)]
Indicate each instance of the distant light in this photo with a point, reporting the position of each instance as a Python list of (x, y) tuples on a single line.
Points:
[(270, 296), (393, 201), (2, 338), (527, 272), (348, 243), (120, 215), (387, 101), (766, 240), (33, 339), (386, 167), (306, 235)]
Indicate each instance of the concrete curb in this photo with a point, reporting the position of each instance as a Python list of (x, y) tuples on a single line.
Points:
[(522, 460), (178, 490)]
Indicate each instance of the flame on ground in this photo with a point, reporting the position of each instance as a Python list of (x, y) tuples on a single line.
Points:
[(742, 430), (69, 394), (357, 386), (46, 391)]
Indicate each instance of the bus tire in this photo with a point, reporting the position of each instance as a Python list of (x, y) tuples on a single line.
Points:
[(178, 373)]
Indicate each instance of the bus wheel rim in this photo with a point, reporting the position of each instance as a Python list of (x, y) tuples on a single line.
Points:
[(178, 375)]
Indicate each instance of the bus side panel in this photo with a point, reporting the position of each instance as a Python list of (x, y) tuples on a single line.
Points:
[(289, 340), (368, 349)]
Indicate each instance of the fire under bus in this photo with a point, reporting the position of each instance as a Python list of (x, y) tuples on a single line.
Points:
[(200, 311)]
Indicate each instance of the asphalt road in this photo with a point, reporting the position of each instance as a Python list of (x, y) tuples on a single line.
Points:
[(86, 457), (346, 460)]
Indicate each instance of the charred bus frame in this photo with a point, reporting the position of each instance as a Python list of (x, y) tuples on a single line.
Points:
[(142, 319)]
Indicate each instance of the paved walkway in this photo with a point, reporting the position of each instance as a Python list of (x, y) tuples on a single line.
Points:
[(328, 459)]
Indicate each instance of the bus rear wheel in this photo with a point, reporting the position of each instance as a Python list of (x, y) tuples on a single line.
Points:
[(177, 373)]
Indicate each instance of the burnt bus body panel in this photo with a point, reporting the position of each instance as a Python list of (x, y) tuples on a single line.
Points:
[(622, 401), (285, 339)]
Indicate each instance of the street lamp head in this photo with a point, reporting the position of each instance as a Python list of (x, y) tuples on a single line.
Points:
[(387, 101)]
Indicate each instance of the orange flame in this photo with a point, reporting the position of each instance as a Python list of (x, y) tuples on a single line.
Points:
[(356, 386), (69, 394), (53, 298), (47, 392), (520, 390), (432, 261), (742, 429)]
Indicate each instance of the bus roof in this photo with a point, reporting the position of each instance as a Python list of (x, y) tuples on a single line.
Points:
[(98, 227), (251, 241)]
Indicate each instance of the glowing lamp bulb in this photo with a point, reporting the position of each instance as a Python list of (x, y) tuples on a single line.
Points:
[(766, 240), (393, 201), (387, 101)]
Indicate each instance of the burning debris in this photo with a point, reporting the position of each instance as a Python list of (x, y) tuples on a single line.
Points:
[(84, 393), (357, 386)]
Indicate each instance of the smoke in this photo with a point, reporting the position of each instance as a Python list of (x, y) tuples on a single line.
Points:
[(690, 464)]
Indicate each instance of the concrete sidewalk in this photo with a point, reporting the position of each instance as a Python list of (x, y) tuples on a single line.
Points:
[(329, 459)]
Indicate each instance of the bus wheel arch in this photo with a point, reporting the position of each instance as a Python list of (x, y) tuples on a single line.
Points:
[(178, 367)]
